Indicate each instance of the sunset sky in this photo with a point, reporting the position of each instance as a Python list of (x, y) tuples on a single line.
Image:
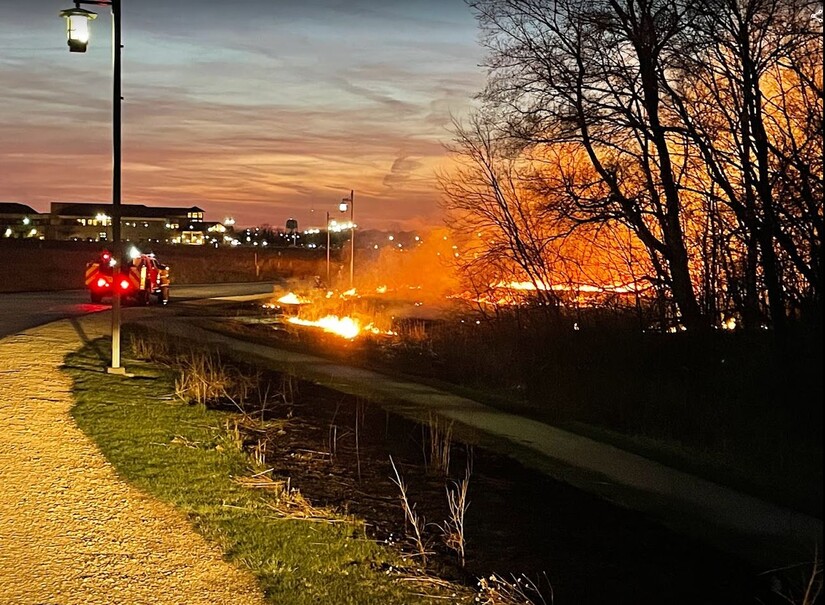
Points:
[(256, 109)]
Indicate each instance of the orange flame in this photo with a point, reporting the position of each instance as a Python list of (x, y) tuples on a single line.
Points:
[(616, 288), (343, 326), (291, 299), (346, 327)]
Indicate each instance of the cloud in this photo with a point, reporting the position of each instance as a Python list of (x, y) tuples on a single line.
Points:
[(400, 171), (270, 108)]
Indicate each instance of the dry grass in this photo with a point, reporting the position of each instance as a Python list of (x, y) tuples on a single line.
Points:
[(438, 438), (813, 588), (333, 441), (520, 590), (148, 347), (410, 515), (457, 504), (232, 435), (258, 452), (203, 379), (807, 589)]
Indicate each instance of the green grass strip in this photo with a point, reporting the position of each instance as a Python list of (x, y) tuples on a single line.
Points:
[(183, 455)]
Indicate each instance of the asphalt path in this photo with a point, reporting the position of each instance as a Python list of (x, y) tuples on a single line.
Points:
[(23, 310)]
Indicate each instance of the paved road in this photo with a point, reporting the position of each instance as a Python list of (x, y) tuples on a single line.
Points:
[(20, 311)]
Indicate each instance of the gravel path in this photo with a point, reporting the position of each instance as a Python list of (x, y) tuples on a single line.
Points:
[(71, 531)]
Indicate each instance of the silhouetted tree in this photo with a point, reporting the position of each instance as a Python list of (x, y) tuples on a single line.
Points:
[(695, 123)]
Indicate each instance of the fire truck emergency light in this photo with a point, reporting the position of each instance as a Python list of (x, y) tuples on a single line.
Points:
[(77, 28)]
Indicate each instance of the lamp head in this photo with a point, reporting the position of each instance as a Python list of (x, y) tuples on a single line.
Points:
[(77, 28), (344, 205)]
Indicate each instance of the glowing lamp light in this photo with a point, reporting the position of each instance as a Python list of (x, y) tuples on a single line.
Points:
[(77, 28), (343, 206)]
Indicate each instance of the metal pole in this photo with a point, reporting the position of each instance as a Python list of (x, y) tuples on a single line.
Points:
[(352, 239), (117, 253), (327, 249)]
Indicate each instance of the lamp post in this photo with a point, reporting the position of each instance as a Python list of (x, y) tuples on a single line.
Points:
[(328, 239), (819, 17), (77, 30), (350, 201)]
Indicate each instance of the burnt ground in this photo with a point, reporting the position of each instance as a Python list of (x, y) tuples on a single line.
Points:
[(579, 548)]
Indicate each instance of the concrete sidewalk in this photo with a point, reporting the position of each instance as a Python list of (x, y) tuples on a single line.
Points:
[(767, 535), (71, 531)]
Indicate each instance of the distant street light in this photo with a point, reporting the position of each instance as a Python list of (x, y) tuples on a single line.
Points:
[(77, 29), (350, 201)]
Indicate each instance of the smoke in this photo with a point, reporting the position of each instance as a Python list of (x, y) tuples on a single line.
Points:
[(423, 272)]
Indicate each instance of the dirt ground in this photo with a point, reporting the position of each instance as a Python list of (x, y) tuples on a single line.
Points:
[(71, 531)]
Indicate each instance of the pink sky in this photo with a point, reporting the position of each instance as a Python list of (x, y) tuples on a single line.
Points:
[(272, 110)]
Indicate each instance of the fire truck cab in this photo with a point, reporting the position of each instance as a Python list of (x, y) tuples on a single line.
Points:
[(138, 278)]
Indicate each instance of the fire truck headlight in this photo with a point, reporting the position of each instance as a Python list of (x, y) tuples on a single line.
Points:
[(101, 283), (124, 284)]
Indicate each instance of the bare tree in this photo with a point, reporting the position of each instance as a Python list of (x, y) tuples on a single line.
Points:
[(749, 114), (588, 72), (505, 233), (701, 123)]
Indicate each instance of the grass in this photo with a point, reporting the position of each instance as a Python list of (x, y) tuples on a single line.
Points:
[(188, 456)]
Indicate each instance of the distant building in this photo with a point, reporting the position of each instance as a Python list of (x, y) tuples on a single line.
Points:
[(21, 221), (139, 223)]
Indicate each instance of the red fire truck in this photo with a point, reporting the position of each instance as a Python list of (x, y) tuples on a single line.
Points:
[(140, 277)]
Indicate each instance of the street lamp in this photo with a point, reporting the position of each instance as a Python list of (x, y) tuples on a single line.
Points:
[(350, 201), (328, 240), (77, 29)]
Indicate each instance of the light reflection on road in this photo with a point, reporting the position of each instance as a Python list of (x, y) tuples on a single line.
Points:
[(20, 311)]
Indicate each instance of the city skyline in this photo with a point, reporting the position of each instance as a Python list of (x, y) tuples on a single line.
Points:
[(261, 113)]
